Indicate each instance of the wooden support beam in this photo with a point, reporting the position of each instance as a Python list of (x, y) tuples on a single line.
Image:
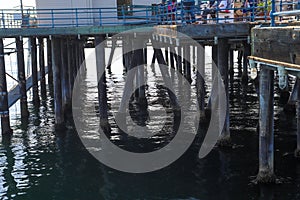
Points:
[(266, 126), (214, 53), (49, 61), (167, 55), (172, 57), (42, 67), (247, 52), (57, 74), (22, 77), (145, 54), (200, 81), (111, 55), (179, 59), (102, 93), (66, 98), (231, 70), (71, 63), (223, 49), (141, 77), (34, 69), (276, 42), (187, 63), (162, 65), (297, 151), (4, 110)]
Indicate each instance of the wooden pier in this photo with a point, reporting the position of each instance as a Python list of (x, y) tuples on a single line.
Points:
[(65, 55)]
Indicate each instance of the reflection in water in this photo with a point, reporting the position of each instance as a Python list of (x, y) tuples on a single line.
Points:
[(41, 163)]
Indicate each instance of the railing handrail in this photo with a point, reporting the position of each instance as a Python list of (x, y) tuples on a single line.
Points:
[(124, 15)]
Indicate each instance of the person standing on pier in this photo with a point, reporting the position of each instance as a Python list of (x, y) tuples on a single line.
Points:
[(210, 9), (172, 4), (188, 8)]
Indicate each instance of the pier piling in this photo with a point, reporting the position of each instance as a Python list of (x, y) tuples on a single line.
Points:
[(35, 86), (22, 77), (266, 127), (70, 55), (200, 81), (102, 96), (57, 75), (246, 53), (64, 75), (49, 63), (187, 62), (297, 151), (4, 110), (223, 49), (179, 59), (42, 67)]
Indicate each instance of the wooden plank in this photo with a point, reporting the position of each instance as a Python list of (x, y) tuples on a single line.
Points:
[(86, 30), (209, 31), (14, 93), (196, 31), (274, 62), (282, 43)]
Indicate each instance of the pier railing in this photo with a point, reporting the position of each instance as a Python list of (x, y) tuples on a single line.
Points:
[(137, 14)]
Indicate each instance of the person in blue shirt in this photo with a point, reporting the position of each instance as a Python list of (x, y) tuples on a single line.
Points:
[(210, 9), (188, 8)]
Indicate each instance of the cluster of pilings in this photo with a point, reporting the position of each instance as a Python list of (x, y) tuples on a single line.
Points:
[(66, 54), (174, 56), (64, 57)]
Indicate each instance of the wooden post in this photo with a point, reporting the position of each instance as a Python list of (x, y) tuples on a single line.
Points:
[(214, 53), (65, 77), (240, 58), (297, 151), (22, 77), (223, 49), (57, 72), (145, 54), (4, 110), (71, 66), (194, 54), (200, 81), (179, 59), (266, 126), (153, 58), (49, 61), (124, 56), (161, 61), (35, 86), (42, 68), (83, 58), (187, 62), (111, 55), (172, 57), (102, 95), (247, 52), (231, 70), (167, 55), (75, 58), (141, 77)]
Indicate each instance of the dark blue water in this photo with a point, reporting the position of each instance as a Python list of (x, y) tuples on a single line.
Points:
[(42, 163)]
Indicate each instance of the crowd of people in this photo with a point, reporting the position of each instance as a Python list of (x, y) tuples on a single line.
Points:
[(189, 8)]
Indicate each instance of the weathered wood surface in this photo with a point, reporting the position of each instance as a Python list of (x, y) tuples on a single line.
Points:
[(209, 31), (274, 62), (14, 94), (196, 31), (277, 43)]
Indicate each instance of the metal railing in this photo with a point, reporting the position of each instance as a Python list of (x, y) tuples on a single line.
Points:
[(140, 14)]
